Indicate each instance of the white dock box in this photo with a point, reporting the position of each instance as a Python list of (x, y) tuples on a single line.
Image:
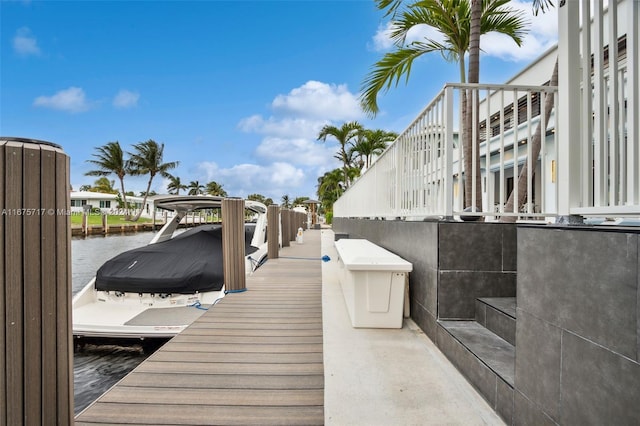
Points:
[(373, 283)]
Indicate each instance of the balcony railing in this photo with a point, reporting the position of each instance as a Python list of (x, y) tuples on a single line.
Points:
[(422, 175), (589, 163)]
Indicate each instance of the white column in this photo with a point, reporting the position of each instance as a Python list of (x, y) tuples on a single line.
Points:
[(568, 114)]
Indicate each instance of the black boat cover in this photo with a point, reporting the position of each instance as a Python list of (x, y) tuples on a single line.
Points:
[(189, 262)]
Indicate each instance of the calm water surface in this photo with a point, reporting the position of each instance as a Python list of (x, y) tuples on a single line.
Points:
[(97, 368)]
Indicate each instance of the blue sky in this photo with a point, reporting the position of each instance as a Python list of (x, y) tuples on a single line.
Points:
[(236, 90)]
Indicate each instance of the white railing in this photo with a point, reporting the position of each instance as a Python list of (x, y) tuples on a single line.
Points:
[(422, 175), (600, 133), (589, 162)]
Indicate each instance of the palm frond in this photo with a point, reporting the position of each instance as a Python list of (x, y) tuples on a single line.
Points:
[(387, 72)]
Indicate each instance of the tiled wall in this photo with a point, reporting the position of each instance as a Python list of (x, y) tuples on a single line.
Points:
[(578, 327)]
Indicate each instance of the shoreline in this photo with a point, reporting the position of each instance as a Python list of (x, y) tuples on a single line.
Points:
[(79, 231)]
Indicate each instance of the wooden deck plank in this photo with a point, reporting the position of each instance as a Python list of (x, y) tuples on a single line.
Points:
[(244, 358), (220, 397), (255, 357), (230, 368), (248, 348), (175, 414), (222, 381), (254, 332)]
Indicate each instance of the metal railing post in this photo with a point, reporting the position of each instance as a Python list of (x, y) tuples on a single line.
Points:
[(448, 153), (568, 114)]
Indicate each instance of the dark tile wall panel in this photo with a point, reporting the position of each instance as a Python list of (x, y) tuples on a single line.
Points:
[(423, 319), (469, 246), (481, 313), (598, 386), (538, 362), (458, 291), (478, 374), (504, 400), (509, 248), (588, 284), (527, 413), (501, 324)]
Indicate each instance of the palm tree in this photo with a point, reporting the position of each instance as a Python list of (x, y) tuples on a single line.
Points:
[(330, 187), (344, 135), (147, 159), (214, 188), (373, 142), (452, 18), (195, 188), (286, 202), (175, 185), (298, 201), (474, 78), (104, 185), (109, 159)]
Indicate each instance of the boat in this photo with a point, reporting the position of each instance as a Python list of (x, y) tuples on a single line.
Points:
[(158, 290)]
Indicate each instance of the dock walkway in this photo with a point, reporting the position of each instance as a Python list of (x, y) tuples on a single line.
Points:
[(284, 352), (256, 358)]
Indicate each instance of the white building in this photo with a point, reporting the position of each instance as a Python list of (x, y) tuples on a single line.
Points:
[(590, 159)]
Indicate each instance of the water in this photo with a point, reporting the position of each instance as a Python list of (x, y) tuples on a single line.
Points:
[(98, 367)]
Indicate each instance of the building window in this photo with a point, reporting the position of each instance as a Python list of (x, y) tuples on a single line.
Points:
[(78, 203), (105, 204)]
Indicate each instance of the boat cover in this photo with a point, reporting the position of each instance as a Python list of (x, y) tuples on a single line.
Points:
[(189, 262)]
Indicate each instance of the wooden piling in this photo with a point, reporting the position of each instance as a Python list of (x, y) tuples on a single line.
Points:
[(233, 249), (286, 228), (105, 223), (85, 223), (36, 385), (293, 229), (273, 231)]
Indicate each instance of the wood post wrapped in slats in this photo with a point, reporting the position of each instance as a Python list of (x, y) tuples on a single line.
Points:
[(286, 227), (273, 231), (36, 384), (233, 250)]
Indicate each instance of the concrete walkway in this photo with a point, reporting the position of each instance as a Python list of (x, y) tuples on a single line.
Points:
[(388, 376)]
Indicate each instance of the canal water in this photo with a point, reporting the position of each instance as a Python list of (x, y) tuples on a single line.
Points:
[(98, 367)]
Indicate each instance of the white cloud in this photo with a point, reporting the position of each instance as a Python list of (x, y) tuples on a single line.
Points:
[(288, 127), (382, 38), (24, 43), (542, 34), (289, 156), (271, 180), (126, 99), (298, 151), (320, 101), (72, 99)]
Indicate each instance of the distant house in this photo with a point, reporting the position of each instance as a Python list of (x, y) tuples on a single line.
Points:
[(105, 202)]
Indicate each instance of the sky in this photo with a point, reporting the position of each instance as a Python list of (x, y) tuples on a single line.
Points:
[(237, 91)]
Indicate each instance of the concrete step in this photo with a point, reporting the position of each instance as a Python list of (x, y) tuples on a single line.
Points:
[(498, 314), (484, 358)]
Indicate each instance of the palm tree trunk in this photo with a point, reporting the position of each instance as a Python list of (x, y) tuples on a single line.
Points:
[(473, 182), (524, 178), (144, 200), (124, 198)]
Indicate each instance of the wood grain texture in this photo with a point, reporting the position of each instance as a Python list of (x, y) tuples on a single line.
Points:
[(254, 358)]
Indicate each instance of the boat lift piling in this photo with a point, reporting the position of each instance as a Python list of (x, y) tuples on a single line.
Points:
[(233, 250), (273, 229), (105, 223), (36, 384), (286, 227)]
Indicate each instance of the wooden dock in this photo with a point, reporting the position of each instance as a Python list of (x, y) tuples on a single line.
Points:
[(255, 358)]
